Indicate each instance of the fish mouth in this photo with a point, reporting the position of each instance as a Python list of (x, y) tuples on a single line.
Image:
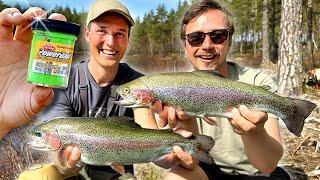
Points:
[(39, 143), (130, 104)]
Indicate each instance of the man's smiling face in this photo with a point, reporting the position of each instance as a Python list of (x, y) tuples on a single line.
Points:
[(108, 38), (208, 55)]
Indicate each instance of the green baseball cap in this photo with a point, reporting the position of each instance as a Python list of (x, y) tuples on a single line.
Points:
[(102, 6)]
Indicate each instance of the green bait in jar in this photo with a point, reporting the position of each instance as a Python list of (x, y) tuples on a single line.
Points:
[(51, 52)]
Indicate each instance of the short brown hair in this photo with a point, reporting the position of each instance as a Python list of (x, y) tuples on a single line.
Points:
[(199, 8)]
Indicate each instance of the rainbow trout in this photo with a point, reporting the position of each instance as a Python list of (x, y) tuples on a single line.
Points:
[(116, 140), (203, 94)]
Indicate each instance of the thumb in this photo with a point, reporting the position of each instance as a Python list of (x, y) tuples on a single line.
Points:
[(186, 159), (183, 132), (74, 157), (40, 98)]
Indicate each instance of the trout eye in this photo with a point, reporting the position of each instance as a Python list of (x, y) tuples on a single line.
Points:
[(126, 90), (38, 134)]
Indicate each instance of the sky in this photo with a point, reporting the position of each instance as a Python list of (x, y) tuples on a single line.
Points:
[(136, 7)]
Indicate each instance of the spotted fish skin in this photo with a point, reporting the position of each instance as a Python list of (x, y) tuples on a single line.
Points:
[(204, 94), (104, 141)]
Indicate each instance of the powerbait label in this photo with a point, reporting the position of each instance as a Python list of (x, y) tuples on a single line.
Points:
[(52, 59), (50, 68)]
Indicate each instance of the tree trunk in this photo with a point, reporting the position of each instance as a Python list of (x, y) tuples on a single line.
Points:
[(290, 59), (255, 28), (265, 34), (273, 40), (241, 44), (310, 34), (150, 51)]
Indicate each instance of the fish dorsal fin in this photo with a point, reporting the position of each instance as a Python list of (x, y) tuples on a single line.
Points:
[(207, 72), (266, 87)]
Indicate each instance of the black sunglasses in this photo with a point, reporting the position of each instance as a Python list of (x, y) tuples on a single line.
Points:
[(217, 36)]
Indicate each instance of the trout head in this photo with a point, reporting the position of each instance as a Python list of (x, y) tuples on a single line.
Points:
[(135, 94), (44, 138)]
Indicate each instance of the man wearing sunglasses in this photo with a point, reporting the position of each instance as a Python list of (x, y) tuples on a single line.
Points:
[(247, 146)]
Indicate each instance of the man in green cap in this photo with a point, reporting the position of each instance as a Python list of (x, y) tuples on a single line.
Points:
[(92, 83)]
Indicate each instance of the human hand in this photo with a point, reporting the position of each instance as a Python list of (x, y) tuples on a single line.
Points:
[(175, 117), (178, 157), (246, 121), (169, 115), (184, 158), (67, 160), (179, 121), (20, 101)]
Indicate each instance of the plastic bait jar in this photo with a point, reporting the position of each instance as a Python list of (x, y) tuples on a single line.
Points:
[(51, 52)]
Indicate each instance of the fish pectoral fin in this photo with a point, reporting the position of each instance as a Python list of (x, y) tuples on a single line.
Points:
[(119, 168), (166, 161), (211, 120), (223, 114), (266, 87), (192, 114)]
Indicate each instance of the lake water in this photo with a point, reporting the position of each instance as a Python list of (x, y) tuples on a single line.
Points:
[(150, 65)]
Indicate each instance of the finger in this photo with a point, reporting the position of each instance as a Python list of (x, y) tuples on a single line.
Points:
[(172, 158), (35, 12), (57, 16), (23, 31), (167, 160), (238, 131), (40, 98), (239, 122), (182, 132), (182, 115), (60, 157), (172, 118), (158, 107), (65, 154), (74, 157), (235, 126), (163, 117), (8, 18), (185, 158), (253, 115)]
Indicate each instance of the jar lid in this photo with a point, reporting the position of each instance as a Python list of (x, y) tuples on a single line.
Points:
[(56, 25)]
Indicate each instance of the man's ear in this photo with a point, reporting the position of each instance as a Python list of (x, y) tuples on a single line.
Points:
[(230, 41), (183, 42), (86, 33), (184, 46)]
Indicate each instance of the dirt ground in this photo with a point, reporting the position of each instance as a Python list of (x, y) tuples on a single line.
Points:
[(302, 154)]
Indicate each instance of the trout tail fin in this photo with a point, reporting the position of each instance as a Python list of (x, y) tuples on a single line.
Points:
[(205, 144), (295, 121)]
